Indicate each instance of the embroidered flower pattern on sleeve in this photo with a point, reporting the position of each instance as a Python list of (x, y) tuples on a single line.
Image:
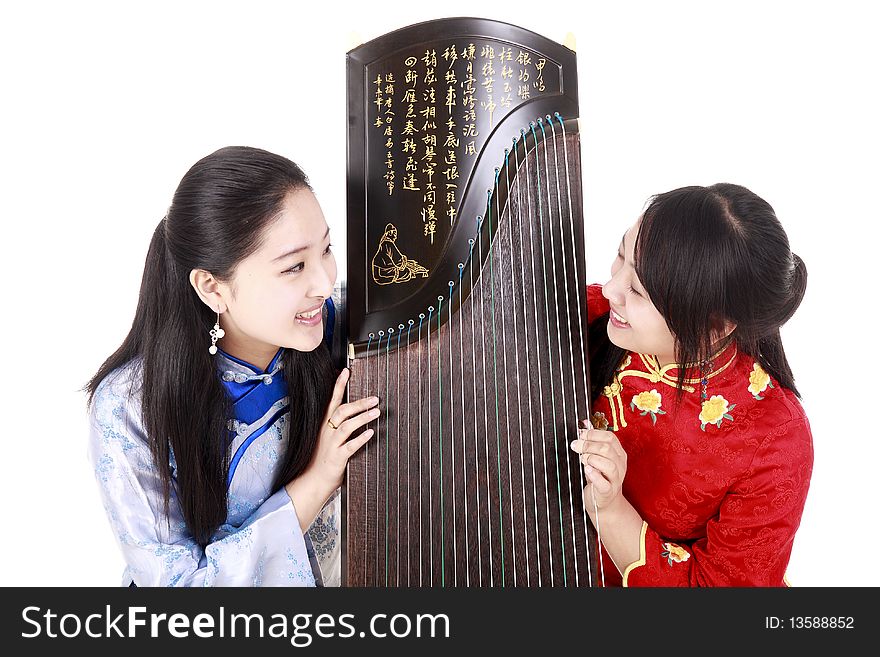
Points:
[(674, 553), (323, 533), (759, 381)]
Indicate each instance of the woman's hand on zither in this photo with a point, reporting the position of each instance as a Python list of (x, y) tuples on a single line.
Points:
[(340, 435), (339, 438), (604, 463)]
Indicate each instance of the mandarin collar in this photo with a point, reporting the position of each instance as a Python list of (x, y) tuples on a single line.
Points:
[(720, 361), (241, 371)]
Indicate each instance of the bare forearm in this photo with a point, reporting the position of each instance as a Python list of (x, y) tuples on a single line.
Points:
[(620, 527), (308, 498)]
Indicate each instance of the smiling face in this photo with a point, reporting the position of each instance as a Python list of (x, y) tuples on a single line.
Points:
[(635, 324), (276, 294)]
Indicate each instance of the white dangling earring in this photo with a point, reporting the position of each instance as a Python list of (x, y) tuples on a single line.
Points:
[(216, 333)]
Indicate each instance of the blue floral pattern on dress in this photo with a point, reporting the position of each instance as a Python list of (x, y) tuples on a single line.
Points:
[(323, 533), (260, 543)]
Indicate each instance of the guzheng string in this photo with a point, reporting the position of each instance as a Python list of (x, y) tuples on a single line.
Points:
[(501, 250), (408, 459), (528, 397), (482, 279), (508, 240), (387, 446), (535, 315), (431, 441), (559, 342), (547, 329), (400, 328), (378, 455), (467, 554), (367, 452), (421, 319), (452, 440), (472, 242), (440, 444), (578, 289), (506, 388)]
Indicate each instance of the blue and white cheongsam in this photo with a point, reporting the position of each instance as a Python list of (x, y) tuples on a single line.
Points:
[(261, 543)]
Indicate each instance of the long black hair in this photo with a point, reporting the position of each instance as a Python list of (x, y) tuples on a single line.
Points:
[(217, 217), (706, 255)]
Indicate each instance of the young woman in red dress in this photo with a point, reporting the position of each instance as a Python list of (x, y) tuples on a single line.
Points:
[(699, 456)]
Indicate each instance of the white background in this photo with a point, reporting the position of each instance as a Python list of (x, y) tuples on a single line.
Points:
[(104, 106)]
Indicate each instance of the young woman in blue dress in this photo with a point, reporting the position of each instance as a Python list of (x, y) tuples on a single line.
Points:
[(219, 436)]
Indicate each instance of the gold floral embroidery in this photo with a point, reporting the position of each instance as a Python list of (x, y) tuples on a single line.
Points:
[(648, 403), (759, 380), (715, 410), (674, 553), (599, 421)]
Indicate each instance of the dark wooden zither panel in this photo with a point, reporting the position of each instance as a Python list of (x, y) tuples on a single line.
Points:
[(479, 360)]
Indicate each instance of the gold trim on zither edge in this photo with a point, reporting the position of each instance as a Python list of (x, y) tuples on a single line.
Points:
[(642, 561), (570, 42)]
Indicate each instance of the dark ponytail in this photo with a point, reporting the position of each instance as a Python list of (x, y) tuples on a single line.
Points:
[(767, 349), (216, 219), (311, 377)]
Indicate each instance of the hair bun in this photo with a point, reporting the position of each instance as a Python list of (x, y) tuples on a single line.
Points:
[(796, 288)]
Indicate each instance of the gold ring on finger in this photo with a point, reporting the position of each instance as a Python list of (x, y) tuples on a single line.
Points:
[(330, 422)]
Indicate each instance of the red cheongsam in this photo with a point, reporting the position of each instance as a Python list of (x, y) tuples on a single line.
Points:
[(720, 484)]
